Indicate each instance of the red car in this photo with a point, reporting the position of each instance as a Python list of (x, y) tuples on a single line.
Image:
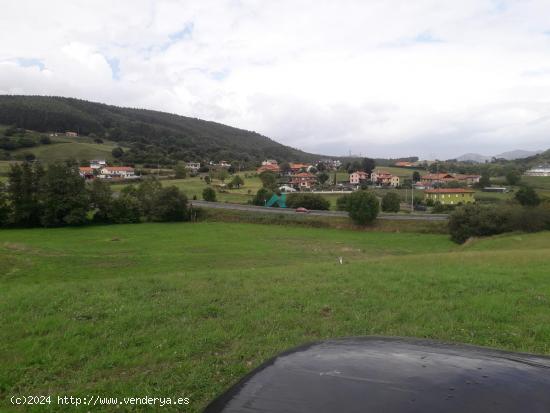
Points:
[(302, 210)]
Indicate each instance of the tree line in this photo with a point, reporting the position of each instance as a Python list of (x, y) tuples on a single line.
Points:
[(58, 196)]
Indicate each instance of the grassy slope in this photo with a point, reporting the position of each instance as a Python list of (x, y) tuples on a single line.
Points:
[(186, 309), (80, 148)]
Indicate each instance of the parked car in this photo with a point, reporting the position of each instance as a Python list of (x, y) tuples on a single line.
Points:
[(420, 208), (302, 210)]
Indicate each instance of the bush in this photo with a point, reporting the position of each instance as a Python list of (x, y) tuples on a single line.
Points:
[(391, 202), (262, 196), (483, 220), (527, 196), (363, 207), (308, 201), (125, 210), (342, 203), (208, 194), (170, 205)]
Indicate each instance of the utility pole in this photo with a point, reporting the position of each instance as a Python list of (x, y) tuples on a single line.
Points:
[(412, 197)]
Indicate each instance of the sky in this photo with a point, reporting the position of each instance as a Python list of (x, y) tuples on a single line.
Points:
[(380, 78)]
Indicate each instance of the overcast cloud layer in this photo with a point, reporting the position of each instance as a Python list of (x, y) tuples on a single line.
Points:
[(384, 78)]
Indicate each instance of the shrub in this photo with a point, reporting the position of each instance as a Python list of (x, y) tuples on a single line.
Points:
[(262, 196), (170, 205), (527, 196), (125, 210), (308, 201), (363, 207), (483, 220), (208, 194), (391, 202), (342, 203)]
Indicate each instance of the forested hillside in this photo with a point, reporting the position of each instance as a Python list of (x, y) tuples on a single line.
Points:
[(151, 136)]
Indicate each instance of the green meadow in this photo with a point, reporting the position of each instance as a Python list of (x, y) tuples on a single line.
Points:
[(187, 309)]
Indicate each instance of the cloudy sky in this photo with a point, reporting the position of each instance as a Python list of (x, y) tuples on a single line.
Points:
[(433, 78)]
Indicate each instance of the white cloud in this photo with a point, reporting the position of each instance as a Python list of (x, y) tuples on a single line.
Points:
[(380, 77)]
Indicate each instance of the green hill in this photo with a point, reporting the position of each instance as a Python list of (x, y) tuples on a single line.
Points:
[(151, 136)]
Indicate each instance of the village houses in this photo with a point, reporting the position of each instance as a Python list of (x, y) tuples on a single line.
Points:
[(358, 177)]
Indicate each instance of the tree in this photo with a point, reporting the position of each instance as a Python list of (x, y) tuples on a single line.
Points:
[(237, 181), (391, 202), (64, 196), (147, 193), (125, 209), (416, 176), (368, 165), (363, 207), (170, 205), (527, 196), (321, 167), (4, 206), (513, 177), (101, 199), (23, 193), (323, 177), (269, 180), (117, 152), (262, 196), (207, 180), (342, 203), (308, 201), (208, 194), (222, 174), (484, 180), (180, 172), (284, 168)]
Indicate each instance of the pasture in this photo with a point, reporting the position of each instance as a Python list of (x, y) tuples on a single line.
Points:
[(187, 309)]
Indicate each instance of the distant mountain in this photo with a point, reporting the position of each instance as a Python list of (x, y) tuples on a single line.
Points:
[(152, 136), (510, 155), (517, 154), (473, 157)]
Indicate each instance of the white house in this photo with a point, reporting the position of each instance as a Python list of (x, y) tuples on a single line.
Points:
[(540, 170), (269, 162), (117, 172), (193, 166)]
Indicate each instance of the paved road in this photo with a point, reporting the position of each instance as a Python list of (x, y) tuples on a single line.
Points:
[(259, 209)]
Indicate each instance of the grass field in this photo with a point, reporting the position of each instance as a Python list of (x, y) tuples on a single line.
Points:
[(195, 185), (62, 148), (187, 309)]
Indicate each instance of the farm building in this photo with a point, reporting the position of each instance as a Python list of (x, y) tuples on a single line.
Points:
[(450, 196)]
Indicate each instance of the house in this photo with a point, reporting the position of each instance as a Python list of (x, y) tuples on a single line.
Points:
[(117, 172), (468, 179), (385, 178), (297, 167), (98, 163), (269, 162), (193, 166), (269, 168), (303, 180), (86, 172), (224, 164), (540, 170), (439, 178), (450, 196), (71, 134), (357, 177)]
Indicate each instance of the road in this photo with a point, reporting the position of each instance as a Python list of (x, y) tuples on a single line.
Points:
[(264, 210)]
